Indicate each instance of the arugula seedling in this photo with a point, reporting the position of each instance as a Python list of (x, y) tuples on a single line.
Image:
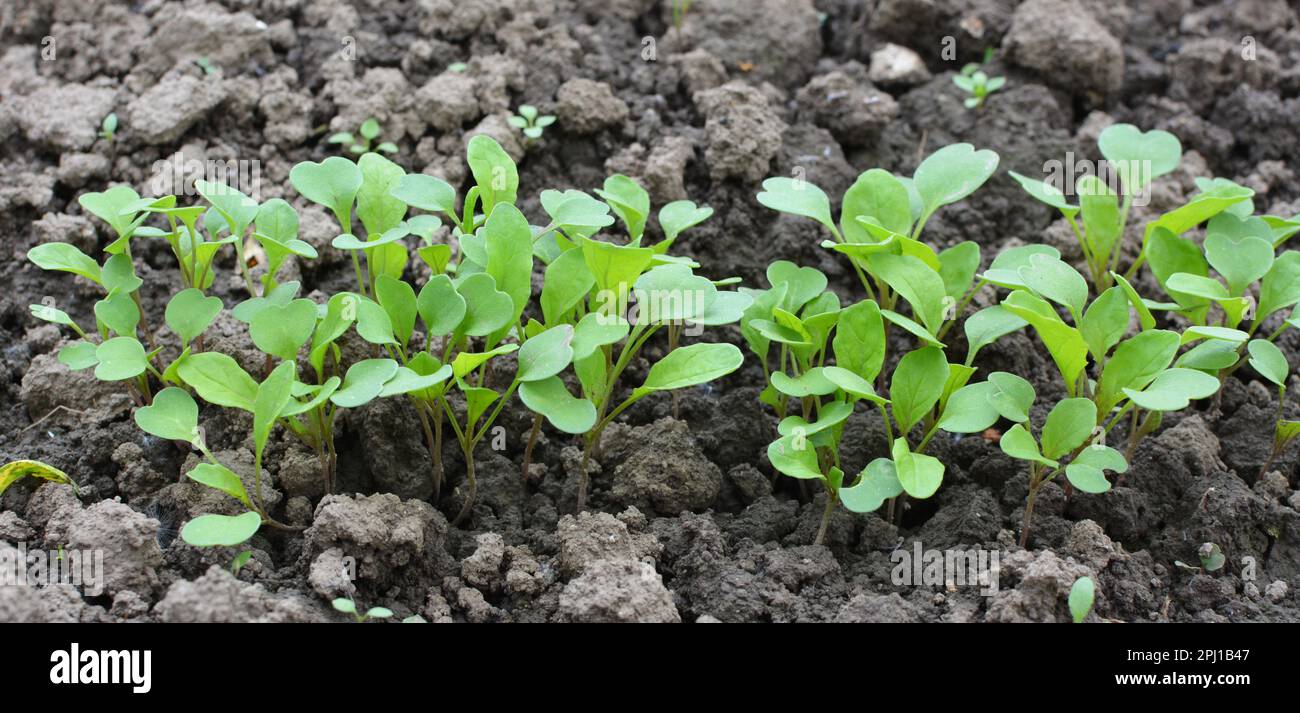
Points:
[(529, 122), (1136, 158), (347, 606), (616, 297), (368, 132), (680, 9), (881, 220), (366, 187), (977, 84), (1271, 363), (924, 390), (1081, 598), (1138, 374), (108, 128)]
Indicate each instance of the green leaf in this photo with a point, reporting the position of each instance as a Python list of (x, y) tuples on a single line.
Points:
[(1269, 361), (692, 365), (426, 193), (830, 416), (912, 327), (373, 324), (1046, 193), (957, 266), (1240, 262), (1013, 396), (1069, 424), (859, 341), (377, 208), (969, 409), (509, 242), (221, 530), (1101, 216), (190, 312), (78, 355), (487, 309), (1135, 363), (397, 297), (1081, 598), (1004, 271), (615, 269), (1057, 281), (567, 281), (1280, 287), (877, 483), (273, 395), (113, 206), (441, 307), (340, 313), (794, 456), (629, 201), (916, 385), (920, 475), (65, 258), (173, 415), (277, 220), (219, 380), (119, 313), (1139, 157), (987, 326), (672, 294), (546, 354), (1105, 322), (921, 286), (797, 197), (120, 358), (952, 173), (810, 383), (465, 362), (678, 216), (1064, 343), (363, 382), (551, 399), (118, 274), (1086, 471), (596, 330), (332, 183), (1019, 443), (237, 210), (878, 194), (1174, 389), (51, 314), (851, 384), (281, 330), (494, 172), (575, 212), (803, 284)]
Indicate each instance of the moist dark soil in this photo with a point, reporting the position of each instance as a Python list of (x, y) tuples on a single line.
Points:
[(686, 519)]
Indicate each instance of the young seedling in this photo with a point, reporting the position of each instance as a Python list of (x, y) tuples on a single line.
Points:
[(977, 84), (881, 220), (108, 128), (924, 390), (680, 9), (1081, 598), (528, 121), (14, 471), (1271, 364), (368, 132), (347, 606), (1136, 159), (616, 298), (1225, 304)]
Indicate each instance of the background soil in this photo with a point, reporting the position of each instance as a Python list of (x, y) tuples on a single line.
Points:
[(686, 524)]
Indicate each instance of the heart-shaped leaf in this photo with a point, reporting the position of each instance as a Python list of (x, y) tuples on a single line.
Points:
[(919, 474), (877, 483), (1240, 262), (120, 358), (221, 530), (551, 399), (172, 415), (332, 183), (1139, 157), (190, 312), (952, 173)]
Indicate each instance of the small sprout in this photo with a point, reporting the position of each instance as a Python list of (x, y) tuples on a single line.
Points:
[(977, 84), (206, 65), (457, 67), (1081, 598), (1211, 556), (362, 142), (241, 559), (529, 122), (347, 606), (680, 9), (108, 128)]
